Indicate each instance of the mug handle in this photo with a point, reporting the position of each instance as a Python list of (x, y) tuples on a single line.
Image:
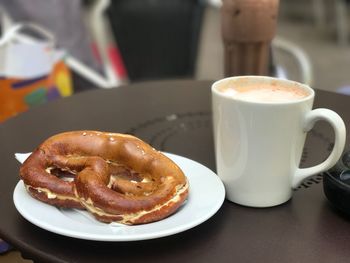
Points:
[(340, 135)]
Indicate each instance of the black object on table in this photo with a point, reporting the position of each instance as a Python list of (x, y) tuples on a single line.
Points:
[(336, 184), (175, 116)]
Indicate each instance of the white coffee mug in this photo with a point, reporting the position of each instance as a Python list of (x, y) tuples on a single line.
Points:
[(259, 136)]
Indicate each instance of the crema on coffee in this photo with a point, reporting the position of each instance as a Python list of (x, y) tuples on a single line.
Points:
[(264, 92)]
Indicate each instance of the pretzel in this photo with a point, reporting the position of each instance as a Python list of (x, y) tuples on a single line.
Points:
[(116, 177)]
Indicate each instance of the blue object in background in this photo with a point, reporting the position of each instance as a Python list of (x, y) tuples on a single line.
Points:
[(344, 90), (4, 247)]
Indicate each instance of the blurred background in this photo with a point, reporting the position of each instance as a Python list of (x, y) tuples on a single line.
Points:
[(114, 42), (110, 43), (319, 27)]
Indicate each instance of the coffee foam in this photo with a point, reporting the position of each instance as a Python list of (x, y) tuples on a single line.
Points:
[(264, 92)]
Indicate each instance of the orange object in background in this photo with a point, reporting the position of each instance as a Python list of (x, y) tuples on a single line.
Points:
[(18, 95)]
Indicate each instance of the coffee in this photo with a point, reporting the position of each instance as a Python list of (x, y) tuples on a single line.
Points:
[(264, 92)]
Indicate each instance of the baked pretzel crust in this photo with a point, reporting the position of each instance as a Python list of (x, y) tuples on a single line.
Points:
[(116, 177)]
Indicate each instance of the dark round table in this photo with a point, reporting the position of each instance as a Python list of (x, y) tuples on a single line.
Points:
[(175, 116)]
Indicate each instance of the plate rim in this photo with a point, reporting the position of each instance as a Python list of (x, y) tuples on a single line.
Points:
[(134, 237)]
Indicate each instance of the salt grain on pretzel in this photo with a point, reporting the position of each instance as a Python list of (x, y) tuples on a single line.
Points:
[(116, 177)]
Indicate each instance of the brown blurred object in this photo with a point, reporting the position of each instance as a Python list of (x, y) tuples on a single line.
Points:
[(248, 26)]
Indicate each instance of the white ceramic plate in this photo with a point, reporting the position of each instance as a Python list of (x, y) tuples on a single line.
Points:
[(206, 196)]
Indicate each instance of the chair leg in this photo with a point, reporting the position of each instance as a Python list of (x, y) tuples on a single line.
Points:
[(341, 22), (319, 13)]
